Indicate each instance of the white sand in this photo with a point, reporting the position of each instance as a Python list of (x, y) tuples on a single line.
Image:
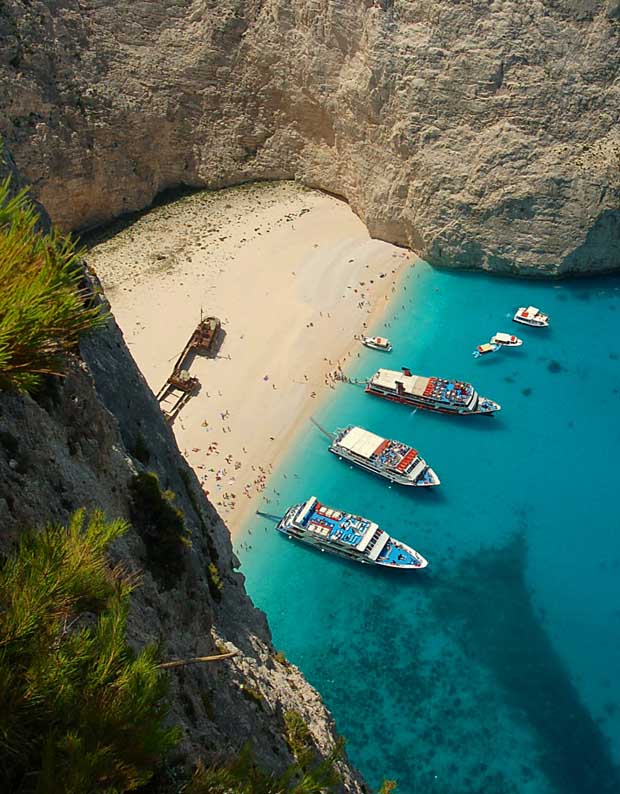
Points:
[(293, 275)]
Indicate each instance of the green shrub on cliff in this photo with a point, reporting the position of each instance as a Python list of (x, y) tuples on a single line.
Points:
[(42, 309), (161, 526), (298, 737), (242, 775), (79, 710)]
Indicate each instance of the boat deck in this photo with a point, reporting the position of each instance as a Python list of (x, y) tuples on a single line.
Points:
[(394, 455), (439, 390), (448, 391), (336, 525), (381, 452), (335, 530), (394, 554)]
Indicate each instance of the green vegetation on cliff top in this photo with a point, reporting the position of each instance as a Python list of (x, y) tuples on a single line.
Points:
[(42, 308)]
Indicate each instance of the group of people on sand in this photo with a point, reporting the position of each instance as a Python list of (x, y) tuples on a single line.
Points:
[(225, 475), (228, 499)]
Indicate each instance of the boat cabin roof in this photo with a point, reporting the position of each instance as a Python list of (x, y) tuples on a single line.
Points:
[(531, 311), (505, 337), (485, 348), (388, 454), (438, 389), (361, 442), (412, 384)]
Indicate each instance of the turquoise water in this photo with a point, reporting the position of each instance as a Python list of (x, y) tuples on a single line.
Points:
[(496, 669)]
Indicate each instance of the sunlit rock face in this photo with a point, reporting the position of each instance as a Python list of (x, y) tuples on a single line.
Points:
[(483, 135)]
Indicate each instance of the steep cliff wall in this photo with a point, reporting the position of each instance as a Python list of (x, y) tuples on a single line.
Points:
[(79, 443), (482, 134)]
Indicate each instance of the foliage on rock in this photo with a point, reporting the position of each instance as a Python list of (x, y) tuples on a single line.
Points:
[(242, 775), (161, 526), (42, 308), (79, 710)]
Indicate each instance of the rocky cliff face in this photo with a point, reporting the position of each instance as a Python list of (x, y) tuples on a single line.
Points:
[(483, 135), (78, 444)]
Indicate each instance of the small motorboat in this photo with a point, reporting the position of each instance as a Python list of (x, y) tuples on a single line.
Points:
[(483, 350), (377, 343), (532, 316), (506, 340)]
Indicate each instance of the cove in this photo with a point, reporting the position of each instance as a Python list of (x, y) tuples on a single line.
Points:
[(495, 669)]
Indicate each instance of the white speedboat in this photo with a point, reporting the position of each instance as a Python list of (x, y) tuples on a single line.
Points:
[(483, 350), (506, 340), (530, 315), (377, 343)]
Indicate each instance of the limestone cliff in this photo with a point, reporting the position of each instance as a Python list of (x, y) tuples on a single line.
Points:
[(482, 134), (79, 442)]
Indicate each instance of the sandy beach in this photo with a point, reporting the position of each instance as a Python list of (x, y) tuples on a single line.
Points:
[(292, 274)]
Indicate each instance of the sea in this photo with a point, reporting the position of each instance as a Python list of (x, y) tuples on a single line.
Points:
[(495, 670)]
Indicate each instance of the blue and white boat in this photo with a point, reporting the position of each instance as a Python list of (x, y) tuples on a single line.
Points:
[(483, 350), (347, 535)]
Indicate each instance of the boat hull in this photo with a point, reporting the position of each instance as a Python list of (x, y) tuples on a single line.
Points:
[(405, 400), (372, 346), (506, 340), (359, 559), (532, 322)]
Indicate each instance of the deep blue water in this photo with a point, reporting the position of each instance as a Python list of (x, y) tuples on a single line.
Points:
[(496, 669)]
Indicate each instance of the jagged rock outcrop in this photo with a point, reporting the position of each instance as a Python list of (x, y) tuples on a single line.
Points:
[(78, 443), (483, 135)]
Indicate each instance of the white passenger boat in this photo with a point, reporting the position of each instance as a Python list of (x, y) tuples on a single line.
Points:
[(393, 460), (431, 394), (531, 316), (506, 340), (377, 343), (347, 535)]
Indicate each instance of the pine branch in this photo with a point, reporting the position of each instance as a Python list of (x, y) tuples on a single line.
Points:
[(196, 660)]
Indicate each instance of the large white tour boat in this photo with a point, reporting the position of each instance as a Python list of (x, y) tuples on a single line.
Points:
[(531, 316), (431, 394), (393, 460), (347, 535)]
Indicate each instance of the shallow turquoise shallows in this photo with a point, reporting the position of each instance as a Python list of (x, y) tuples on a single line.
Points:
[(497, 668)]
